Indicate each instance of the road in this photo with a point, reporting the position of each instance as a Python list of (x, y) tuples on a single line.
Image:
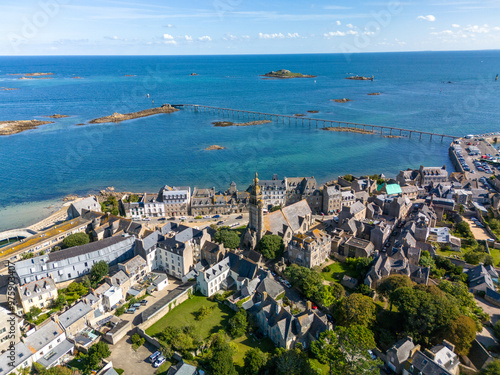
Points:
[(235, 220)]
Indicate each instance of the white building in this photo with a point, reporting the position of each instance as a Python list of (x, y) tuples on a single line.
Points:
[(348, 198), (112, 297), (9, 329), (214, 278), (176, 200)]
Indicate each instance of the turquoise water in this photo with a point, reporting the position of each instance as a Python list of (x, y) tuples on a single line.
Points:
[(144, 154)]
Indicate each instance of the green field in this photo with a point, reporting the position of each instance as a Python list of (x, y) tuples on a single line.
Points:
[(183, 315), (337, 271)]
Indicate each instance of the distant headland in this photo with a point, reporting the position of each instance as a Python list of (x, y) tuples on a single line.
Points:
[(18, 126), (360, 78)]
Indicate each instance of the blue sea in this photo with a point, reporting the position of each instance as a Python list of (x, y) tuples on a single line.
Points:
[(445, 92)]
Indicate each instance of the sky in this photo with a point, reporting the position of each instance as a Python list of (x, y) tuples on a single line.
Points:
[(196, 27)]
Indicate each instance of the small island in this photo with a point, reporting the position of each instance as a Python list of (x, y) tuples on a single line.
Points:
[(348, 130), (299, 115), (8, 88), (360, 78), (118, 117), (215, 147), (76, 77), (18, 126), (193, 74), (229, 123), (283, 73), (31, 74), (343, 100), (35, 78), (314, 111), (373, 93), (129, 75), (56, 115)]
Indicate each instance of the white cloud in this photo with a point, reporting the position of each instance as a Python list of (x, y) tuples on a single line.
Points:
[(245, 37), (477, 29), (444, 32), (455, 26), (429, 18), (229, 37), (112, 37), (169, 25), (189, 38), (168, 37), (173, 42), (350, 26), (271, 36), (333, 33), (339, 23), (279, 36), (205, 38)]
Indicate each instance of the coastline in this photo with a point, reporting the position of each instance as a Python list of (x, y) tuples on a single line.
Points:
[(18, 126)]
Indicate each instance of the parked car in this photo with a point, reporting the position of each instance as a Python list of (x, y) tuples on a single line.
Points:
[(239, 217), (130, 310), (143, 302), (152, 357), (159, 361), (216, 216), (136, 305), (183, 218), (220, 222)]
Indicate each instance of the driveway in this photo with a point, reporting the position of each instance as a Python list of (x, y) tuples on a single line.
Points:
[(133, 362), (486, 336), (478, 232)]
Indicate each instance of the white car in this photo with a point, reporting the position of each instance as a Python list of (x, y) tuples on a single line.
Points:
[(183, 218), (161, 359)]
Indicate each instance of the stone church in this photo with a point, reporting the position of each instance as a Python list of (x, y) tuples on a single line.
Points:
[(290, 220)]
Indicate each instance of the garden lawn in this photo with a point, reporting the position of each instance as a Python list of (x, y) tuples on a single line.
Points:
[(245, 343), (162, 370), (450, 253), (495, 253), (337, 272), (325, 368), (183, 315)]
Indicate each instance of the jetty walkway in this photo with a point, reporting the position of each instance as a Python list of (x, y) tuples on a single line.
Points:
[(384, 130)]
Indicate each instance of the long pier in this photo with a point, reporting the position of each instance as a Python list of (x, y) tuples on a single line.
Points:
[(383, 130)]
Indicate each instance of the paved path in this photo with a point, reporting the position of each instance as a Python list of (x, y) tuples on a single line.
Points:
[(478, 232), (133, 362)]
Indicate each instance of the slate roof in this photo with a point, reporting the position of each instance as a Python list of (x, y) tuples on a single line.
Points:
[(217, 269), (271, 287), (243, 267), (88, 248), (73, 314), (427, 366), (50, 358), (36, 288), (402, 349), (295, 214), (22, 353), (43, 336), (182, 368), (119, 278)]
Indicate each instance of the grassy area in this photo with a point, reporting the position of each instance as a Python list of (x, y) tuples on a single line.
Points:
[(240, 230), (337, 271), (75, 363), (325, 369), (495, 253), (162, 370), (449, 253), (183, 315)]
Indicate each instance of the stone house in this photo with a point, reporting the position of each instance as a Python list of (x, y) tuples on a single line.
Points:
[(398, 354), (309, 249), (357, 248), (40, 293)]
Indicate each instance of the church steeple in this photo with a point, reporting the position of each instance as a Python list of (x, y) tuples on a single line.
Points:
[(256, 210)]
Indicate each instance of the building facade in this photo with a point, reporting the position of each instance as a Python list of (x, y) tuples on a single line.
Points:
[(309, 249), (39, 293)]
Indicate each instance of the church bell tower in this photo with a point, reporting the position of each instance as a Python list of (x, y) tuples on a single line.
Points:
[(256, 210)]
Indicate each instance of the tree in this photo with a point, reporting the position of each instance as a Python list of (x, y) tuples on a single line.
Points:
[(101, 349), (203, 312), (33, 312), (493, 368), (290, 362), (327, 349), (311, 284), (60, 301), (356, 309), (461, 332), (75, 239), (238, 324), (271, 246), (389, 284), (228, 238), (137, 341), (424, 311), (496, 329), (349, 177), (255, 360), (337, 290), (120, 311), (98, 271), (86, 282), (221, 359)]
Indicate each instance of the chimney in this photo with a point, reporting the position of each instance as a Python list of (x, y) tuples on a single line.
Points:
[(264, 296), (308, 306), (449, 345)]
